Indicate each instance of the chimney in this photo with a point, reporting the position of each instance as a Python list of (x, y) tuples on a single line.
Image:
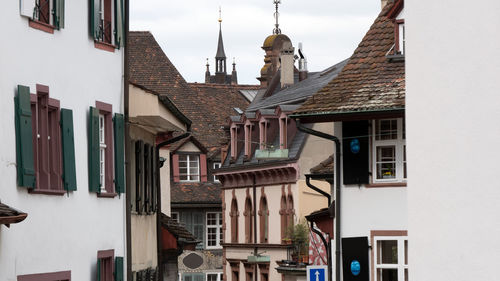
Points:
[(302, 64), (287, 65)]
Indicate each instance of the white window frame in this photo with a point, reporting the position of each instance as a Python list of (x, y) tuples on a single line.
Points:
[(399, 144), (219, 275), (401, 38), (102, 152), (216, 165), (401, 266), (218, 228), (188, 168)]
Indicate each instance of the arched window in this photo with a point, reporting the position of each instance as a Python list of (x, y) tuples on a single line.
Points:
[(283, 216), (248, 220), (234, 221), (290, 211), (264, 220)]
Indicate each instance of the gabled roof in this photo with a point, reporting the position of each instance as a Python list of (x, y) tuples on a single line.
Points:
[(369, 82), (192, 139), (325, 167)]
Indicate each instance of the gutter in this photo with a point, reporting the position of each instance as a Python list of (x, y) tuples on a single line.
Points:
[(336, 164), (340, 115)]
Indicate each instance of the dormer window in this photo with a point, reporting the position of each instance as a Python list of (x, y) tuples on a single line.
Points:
[(263, 134), (248, 139), (189, 167), (234, 142), (399, 32), (283, 132)]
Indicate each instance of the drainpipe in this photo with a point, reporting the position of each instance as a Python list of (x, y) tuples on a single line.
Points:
[(311, 186), (159, 245), (337, 237), (128, 172)]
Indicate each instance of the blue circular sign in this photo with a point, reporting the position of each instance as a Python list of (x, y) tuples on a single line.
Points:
[(355, 146), (355, 267)]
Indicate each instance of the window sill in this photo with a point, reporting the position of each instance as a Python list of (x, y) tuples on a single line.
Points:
[(107, 194), (386, 184), (104, 46), (42, 26), (47, 192)]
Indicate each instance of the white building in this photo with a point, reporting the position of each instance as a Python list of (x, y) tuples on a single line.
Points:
[(366, 102), (69, 181), (453, 65)]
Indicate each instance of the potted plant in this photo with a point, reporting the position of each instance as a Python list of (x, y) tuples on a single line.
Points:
[(299, 234)]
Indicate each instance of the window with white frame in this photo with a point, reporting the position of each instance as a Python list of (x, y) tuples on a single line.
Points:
[(214, 230), (391, 258), (102, 152), (189, 167), (214, 276), (389, 150), (216, 166)]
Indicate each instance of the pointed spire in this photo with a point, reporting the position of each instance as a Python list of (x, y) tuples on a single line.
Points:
[(220, 47)]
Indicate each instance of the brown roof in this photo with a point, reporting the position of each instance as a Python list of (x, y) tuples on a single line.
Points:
[(198, 192), (218, 101), (325, 167), (10, 215), (206, 105), (176, 229), (369, 81)]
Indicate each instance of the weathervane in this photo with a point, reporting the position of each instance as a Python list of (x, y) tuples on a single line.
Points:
[(277, 29)]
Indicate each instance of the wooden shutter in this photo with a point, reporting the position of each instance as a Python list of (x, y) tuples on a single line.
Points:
[(119, 138), (27, 8), (203, 167), (24, 138), (139, 170), (59, 13), (119, 23), (198, 228), (355, 249), (98, 269), (68, 149), (154, 179), (355, 151), (93, 143), (94, 19), (147, 178), (118, 269), (175, 167)]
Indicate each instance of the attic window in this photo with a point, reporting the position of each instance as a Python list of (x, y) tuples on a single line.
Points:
[(399, 32)]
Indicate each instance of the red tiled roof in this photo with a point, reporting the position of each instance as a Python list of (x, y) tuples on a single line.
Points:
[(325, 167), (369, 81), (206, 105), (199, 192), (176, 229)]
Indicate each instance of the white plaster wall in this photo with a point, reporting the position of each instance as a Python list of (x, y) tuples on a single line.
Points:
[(453, 102), (189, 147), (60, 232)]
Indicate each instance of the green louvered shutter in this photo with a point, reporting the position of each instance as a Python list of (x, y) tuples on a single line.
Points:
[(98, 269), (24, 138), (93, 141), (119, 136), (94, 19), (59, 13), (68, 149), (119, 23), (119, 269)]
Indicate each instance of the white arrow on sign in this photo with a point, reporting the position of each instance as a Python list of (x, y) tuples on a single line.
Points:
[(317, 275)]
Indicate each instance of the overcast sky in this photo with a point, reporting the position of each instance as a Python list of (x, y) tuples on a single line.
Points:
[(188, 31)]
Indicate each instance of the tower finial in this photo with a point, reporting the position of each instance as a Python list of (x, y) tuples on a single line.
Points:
[(220, 15), (277, 29)]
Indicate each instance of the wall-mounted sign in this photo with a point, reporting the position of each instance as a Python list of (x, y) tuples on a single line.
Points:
[(355, 267), (317, 272), (355, 146)]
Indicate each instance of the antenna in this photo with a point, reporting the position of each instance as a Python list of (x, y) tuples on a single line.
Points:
[(277, 29)]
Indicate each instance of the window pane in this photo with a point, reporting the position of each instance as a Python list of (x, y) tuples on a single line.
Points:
[(387, 252), (193, 171), (182, 157), (386, 129), (183, 177), (406, 251), (194, 178), (183, 170), (386, 162), (387, 274)]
